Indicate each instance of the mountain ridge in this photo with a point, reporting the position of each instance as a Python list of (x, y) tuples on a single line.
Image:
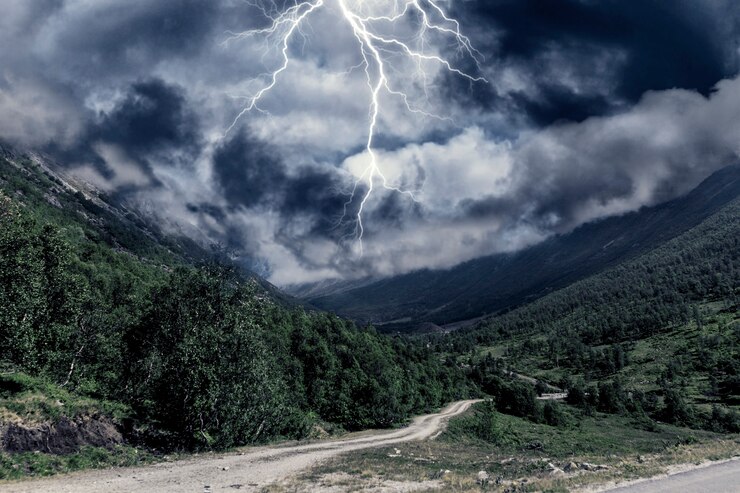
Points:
[(490, 284)]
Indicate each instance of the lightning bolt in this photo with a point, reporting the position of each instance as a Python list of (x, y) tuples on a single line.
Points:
[(369, 21)]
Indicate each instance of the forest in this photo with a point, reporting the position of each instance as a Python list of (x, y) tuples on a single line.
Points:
[(198, 353), (656, 336)]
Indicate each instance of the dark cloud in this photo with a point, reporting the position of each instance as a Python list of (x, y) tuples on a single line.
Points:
[(558, 45), (153, 121), (115, 38), (153, 116), (558, 102), (247, 170), (251, 174), (662, 147), (395, 210), (319, 193), (134, 94), (551, 200)]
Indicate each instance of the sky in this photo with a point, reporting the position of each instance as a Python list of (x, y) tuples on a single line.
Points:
[(502, 122)]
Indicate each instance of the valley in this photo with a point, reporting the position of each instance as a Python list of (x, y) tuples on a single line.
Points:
[(640, 347), (499, 283)]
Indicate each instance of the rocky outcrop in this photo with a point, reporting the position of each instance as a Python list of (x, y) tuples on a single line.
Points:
[(66, 436)]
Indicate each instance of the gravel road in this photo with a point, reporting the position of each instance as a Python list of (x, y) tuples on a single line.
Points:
[(247, 471), (717, 478)]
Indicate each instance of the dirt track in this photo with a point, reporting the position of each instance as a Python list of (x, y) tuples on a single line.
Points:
[(234, 472)]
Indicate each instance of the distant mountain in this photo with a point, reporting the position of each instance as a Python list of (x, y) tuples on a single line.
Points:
[(499, 282)]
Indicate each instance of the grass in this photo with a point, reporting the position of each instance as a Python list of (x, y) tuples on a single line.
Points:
[(601, 435), (30, 400), (517, 455), (36, 464)]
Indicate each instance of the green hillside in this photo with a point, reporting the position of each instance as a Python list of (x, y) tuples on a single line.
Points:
[(646, 353), (101, 312), (659, 334)]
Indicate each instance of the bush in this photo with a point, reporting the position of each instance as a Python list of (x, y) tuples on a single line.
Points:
[(485, 424), (676, 410), (723, 420), (554, 414)]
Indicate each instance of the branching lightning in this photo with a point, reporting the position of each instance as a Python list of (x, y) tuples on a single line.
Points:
[(370, 22)]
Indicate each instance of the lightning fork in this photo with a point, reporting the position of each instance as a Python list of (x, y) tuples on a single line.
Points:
[(376, 53)]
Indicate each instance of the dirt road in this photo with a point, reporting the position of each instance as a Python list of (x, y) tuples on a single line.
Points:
[(234, 472), (716, 478)]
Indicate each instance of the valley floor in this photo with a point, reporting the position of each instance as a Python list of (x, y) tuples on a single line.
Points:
[(251, 470)]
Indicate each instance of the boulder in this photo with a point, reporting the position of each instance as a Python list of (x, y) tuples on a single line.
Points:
[(482, 477), (555, 470)]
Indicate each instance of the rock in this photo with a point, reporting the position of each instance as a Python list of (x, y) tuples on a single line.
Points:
[(65, 436), (570, 467), (441, 474), (482, 477), (555, 470), (396, 453)]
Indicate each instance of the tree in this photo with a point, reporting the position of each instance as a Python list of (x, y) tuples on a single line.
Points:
[(201, 368)]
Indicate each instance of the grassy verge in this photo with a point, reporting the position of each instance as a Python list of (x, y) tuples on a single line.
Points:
[(30, 401), (37, 464)]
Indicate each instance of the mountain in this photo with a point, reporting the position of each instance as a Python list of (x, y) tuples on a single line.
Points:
[(499, 282), (655, 336), (44, 185), (73, 203)]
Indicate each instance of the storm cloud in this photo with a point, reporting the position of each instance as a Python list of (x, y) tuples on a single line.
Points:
[(571, 59), (589, 109)]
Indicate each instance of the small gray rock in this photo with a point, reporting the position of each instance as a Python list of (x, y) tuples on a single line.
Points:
[(482, 477)]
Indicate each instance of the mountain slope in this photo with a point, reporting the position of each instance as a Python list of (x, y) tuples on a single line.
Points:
[(487, 285), (98, 313), (658, 333), (76, 205)]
